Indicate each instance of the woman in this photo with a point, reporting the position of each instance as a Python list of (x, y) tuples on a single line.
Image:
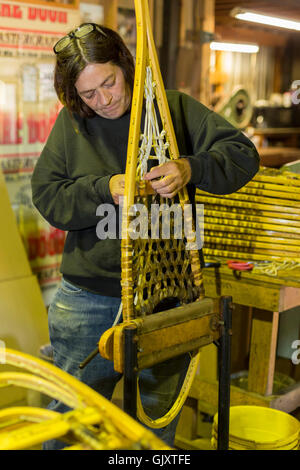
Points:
[(83, 166)]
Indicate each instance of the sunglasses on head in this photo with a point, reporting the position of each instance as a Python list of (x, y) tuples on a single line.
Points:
[(78, 33)]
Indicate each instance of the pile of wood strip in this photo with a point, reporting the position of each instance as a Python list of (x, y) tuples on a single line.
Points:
[(259, 223)]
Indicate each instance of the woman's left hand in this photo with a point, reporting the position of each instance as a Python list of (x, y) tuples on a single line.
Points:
[(169, 178)]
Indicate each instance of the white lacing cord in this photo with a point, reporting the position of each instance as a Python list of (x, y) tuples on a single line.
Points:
[(151, 137)]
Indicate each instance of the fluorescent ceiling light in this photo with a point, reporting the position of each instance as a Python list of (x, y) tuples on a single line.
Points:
[(234, 47), (265, 19)]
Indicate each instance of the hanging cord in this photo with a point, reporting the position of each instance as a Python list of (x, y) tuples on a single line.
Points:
[(173, 412), (151, 137)]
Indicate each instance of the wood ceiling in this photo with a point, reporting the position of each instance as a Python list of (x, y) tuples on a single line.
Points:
[(229, 28)]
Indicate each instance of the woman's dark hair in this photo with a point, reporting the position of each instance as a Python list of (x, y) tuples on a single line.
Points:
[(94, 48)]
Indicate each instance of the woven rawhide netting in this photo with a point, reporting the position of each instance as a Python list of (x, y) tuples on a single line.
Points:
[(260, 224), (162, 267)]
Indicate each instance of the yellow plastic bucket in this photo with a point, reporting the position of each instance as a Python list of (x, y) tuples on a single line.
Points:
[(259, 428)]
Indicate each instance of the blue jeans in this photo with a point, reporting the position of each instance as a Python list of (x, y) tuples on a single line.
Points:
[(77, 318)]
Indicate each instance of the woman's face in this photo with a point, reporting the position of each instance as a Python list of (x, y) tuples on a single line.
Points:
[(104, 89)]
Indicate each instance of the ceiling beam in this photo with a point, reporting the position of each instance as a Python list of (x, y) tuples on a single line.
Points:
[(250, 35)]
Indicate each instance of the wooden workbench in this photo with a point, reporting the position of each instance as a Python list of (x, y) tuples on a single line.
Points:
[(266, 297)]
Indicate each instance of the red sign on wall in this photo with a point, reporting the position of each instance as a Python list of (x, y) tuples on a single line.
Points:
[(28, 110)]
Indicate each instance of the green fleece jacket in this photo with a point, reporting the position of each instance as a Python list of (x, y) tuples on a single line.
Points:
[(71, 178)]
